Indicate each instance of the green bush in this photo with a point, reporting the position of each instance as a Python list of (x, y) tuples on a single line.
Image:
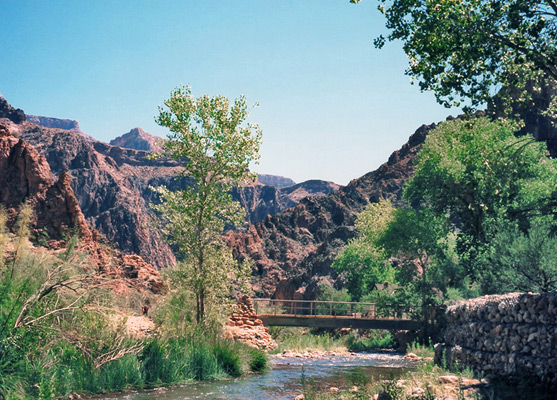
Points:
[(154, 363), (376, 340), (12, 368), (120, 374), (228, 359), (258, 361)]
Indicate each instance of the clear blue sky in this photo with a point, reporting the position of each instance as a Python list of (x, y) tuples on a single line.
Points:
[(331, 105)]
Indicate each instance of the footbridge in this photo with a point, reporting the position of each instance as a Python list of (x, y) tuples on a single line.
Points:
[(333, 314)]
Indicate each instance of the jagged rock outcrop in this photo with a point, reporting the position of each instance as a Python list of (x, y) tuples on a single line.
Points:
[(311, 188), (16, 116), (26, 176), (137, 139), (293, 251), (56, 123), (261, 201), (109, 183)]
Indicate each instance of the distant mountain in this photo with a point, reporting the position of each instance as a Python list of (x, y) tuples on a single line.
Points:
[(311, 188), (137, 139), (293, 239), (57, 123), (274, 180), (261, 201), (112, 183)]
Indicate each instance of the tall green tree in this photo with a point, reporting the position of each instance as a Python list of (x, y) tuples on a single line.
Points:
[(465, 50), (417, 242), (362, 262), (210, 137), (417, 239), (481, 175), (405, 246)]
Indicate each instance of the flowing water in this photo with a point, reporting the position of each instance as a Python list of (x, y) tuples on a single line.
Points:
[(285, 380)]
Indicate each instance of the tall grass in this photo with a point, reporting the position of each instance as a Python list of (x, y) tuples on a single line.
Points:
[(56, 337), (161, 362), (229, 359), (301, 340), (258, 362), (421, 350)]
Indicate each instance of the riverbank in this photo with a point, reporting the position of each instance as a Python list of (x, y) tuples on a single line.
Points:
[(418, 377), (424, 381)]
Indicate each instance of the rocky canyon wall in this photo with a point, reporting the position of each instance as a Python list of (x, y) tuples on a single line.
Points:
[(26, 177), (293, 250), (112, 184), (504, 336)]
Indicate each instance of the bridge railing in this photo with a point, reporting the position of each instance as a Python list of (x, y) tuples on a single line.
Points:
[(329, 308)]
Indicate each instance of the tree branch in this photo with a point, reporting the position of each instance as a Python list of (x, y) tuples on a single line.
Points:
[(553, 6), (547, 62)]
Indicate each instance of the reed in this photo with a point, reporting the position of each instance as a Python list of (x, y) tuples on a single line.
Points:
[(56, 339)]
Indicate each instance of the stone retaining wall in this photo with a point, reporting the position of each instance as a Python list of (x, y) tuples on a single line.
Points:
[(512, 335)]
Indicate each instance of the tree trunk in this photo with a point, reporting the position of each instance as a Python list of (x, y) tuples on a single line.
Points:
[(200, 295)]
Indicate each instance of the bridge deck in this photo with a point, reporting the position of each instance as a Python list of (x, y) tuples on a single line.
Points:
[(322, 321), (333, 314)]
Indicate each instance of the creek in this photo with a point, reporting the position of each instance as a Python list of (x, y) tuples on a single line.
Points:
[(285, 380)]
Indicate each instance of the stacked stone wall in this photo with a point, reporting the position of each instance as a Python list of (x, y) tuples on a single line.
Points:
[(244, 326), (504, 336)]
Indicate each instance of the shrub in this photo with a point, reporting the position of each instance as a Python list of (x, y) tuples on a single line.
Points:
[(258, 361), (153, 360), (375, 340), (228, 360)]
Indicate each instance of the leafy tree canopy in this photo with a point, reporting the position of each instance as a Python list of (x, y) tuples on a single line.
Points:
[(362, 262), (477, 171), (416, 239), (526, 261), (467, 49), (484, 178)]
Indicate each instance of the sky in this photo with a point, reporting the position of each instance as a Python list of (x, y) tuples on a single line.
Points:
[(331, 106)]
